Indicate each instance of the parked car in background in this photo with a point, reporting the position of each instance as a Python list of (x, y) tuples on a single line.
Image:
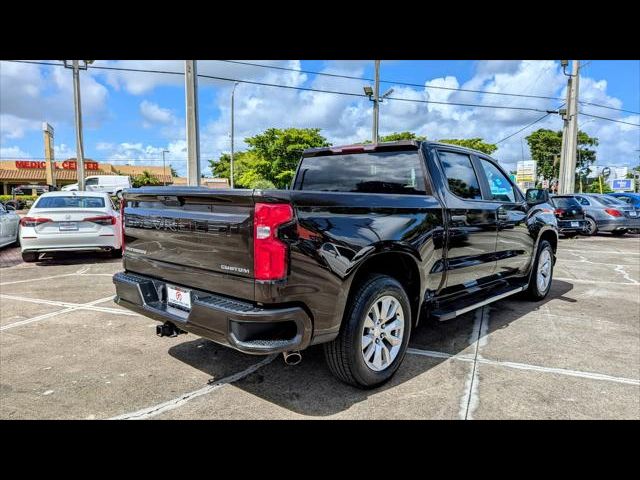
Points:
[(607, 214), (9, 221), (629, 198), (111, 184), (28, 189), (570, 215), (70, 221)]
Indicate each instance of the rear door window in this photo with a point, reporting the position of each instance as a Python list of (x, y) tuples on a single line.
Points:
[(460, 174), (376, 172), (565, 202), (583, 201)]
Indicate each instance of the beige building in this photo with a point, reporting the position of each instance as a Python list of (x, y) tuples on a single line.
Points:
[(32, 172)]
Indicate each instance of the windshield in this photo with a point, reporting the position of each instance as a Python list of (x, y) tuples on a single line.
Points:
[(70, 202), (565, 202)]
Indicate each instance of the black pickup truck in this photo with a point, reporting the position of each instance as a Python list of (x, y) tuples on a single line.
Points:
[(369, 240)]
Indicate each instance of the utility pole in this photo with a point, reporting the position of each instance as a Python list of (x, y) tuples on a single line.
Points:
[(374, 96), (570, 132), (193, 136), (376, 103), (75, 65), (233, 92)]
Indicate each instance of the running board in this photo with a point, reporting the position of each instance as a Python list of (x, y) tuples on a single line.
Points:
[(445, 314)]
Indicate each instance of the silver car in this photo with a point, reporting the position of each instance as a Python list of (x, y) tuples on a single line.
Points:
[(607, 214), (9, 221)]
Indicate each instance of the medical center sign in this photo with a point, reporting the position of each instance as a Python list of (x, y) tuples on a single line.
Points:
[(66, 165)]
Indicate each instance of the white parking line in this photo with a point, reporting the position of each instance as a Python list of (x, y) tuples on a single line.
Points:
[(525, 366), (592, 282), (182, 399), (84, 306), (80, 306), (75, 274), (600, 251)]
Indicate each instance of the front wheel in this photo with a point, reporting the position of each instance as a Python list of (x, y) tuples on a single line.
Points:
[(374, 334), (542, 274)]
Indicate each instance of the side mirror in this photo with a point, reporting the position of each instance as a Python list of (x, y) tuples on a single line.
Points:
[(534, 196)]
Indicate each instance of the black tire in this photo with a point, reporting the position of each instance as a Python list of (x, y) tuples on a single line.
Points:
[(344, 354), (17, 242), (591, 228), (618, 233), (533, 292), (30, 256)]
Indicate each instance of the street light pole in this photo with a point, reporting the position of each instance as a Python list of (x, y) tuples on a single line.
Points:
[(376, 102), (75, 65), (164, 169), (233, 92)]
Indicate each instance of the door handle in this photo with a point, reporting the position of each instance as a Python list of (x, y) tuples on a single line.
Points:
[(502, 214), (458, 218)]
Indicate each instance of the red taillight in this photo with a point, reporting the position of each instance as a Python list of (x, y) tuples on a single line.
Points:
[(122, 223), (269, 253), (559, 212), (33, 222), (613, 212), (102, 220)]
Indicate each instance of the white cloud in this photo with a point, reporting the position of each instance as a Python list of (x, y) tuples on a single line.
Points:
[(31, 94), (154, 114), (12, 152)]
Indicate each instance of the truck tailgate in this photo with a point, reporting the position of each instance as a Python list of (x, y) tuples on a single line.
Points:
[(192, 236)]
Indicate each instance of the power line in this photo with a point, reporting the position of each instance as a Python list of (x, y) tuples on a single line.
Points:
[(609, 119), (395, 82), (523, 128), (334, 92), (610, 108), (306, 89)]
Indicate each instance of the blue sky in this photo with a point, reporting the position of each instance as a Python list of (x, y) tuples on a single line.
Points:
[(131, 117)]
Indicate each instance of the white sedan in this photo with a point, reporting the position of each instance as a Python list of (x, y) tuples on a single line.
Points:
[(70, 221), (8, 226)]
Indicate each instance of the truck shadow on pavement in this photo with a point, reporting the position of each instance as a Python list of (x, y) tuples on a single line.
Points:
[(309, 389)]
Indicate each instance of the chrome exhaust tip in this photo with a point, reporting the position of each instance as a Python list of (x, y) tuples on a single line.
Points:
[(292, 358)]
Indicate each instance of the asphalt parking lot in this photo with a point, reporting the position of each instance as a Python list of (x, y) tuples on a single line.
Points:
[(68, 352)]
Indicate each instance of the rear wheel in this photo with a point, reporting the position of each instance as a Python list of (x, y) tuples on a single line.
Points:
[(591, 227), (30, 256), (374, 334), (542, 274)]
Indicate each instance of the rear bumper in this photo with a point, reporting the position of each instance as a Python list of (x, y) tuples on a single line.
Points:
[(234, 323), (68, 242), (567, 225), (618, 224)]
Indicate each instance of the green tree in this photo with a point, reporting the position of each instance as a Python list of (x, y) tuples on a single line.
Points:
[(595, 187), (279, 150), (395, 136), (145, 178), (545, 146), (474, 143), (245, 168)]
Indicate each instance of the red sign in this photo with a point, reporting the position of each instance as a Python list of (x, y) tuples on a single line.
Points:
[(66, 165)]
